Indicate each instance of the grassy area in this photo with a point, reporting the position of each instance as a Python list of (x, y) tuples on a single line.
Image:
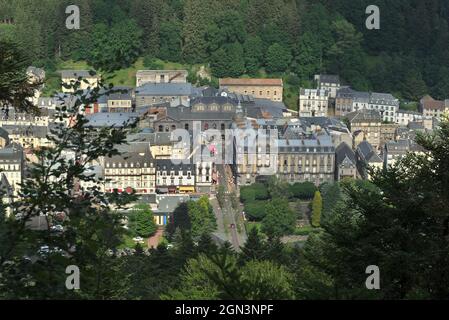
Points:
[(122, 77), (306, 230), (251, 225)]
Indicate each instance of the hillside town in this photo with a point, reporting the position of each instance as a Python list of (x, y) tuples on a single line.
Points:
[(336, 133)]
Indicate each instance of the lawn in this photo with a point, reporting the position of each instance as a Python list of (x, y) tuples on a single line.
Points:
[(122, 77)]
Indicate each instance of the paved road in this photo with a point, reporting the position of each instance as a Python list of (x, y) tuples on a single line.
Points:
[(226, 216)]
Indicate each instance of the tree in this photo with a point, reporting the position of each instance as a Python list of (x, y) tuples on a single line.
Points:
[(254, 247), (278, 58), (379, 222), (265, 280), (117, 47), (90, 228), (142, 221), (170, 35), (228, 61), (317, 206), (255, 210), (253, 50), (201, 217), (15, 87), (303, 191), (279, 219), (310, 57)]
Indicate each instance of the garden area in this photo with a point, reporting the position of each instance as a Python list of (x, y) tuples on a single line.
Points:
[(276, 208)]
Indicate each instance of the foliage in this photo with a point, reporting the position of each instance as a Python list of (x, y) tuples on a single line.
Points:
[(255, 210), (115, 47), (302, 190), (317, 206), (279, 219), (142, 221)]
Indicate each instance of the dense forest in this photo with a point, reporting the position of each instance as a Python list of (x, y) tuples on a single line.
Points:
[(408, 56)]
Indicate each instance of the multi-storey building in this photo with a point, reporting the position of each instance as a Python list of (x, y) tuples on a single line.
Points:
[(433, 108), (173, 177), (404, 117), (386, 104), (271, 89), (329, 83), (365, 125), (292, 157), (120, 101), (134, 169), (32, 137), (209, 112), (313, 102), (344, 101), (387, 132)]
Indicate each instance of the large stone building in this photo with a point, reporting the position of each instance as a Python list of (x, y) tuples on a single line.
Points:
[(209, 112), (313, 102), (365, 125), (349, 100), (293, 156), (271, 89), (160, 76), (134, 169)]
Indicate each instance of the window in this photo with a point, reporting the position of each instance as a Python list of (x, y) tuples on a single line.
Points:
[(161, 128), (186, 126)]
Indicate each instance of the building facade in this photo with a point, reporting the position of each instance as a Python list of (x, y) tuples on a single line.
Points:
[(271, 89), (313, 102)]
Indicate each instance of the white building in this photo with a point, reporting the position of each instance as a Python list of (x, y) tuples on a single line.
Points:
[(404, 117), (313, 102)]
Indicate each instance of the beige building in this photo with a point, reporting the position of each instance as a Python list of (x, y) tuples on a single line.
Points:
[(365, 125), (433, 108), (387, 132), (313, 102), (160, 76), (132, 170), (69, 77), (271, 89)]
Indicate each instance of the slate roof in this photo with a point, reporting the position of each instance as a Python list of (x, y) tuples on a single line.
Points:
[(166, 89), (364, 115), (342, 152), (329, 78), (368, 153)]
